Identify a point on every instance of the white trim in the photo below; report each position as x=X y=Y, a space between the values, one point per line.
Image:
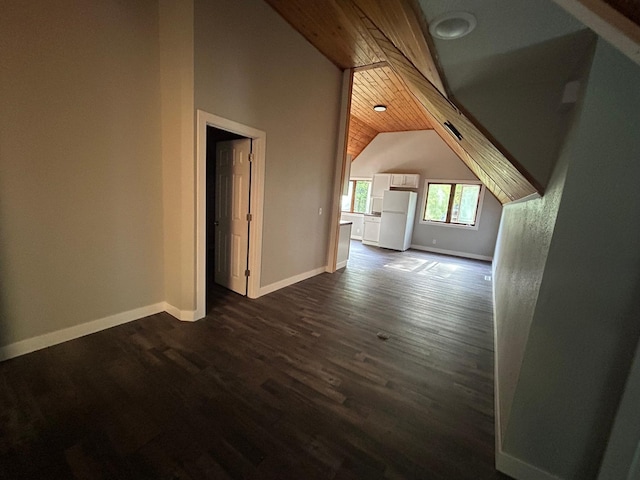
x=451 y=225
x=182 y=315
x=256 y=205
x=533 y=196
x=452 y=252
x=291 y=280
x=356 y=237
x=607 y=22
x=622 y=455
x=53 y=338
x=516 y=468
x=341 y=167
x=342 y=264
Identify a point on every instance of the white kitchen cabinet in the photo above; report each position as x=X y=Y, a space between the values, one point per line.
x=405 y=180
x=376 y=204
x=371 y=231
x=381 y=182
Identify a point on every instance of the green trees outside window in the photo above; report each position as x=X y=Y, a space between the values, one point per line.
x=357 y=199
x=455 y=203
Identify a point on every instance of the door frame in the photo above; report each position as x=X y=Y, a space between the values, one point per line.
x=256 y=204
x=342 y=168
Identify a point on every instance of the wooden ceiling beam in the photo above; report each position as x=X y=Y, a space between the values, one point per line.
x=400 y=24
x=490 y=165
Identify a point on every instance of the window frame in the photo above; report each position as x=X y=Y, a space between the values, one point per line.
x=453 y=184
x=353 y=181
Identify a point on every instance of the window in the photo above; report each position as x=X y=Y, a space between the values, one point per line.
x=452 y=203
x=357 y=200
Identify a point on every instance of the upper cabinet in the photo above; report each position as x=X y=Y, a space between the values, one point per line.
x=381 y=182
x=387 y=181
x=405 y=180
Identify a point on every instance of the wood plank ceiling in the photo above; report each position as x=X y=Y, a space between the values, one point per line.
x=388 y=36
x=381 y=86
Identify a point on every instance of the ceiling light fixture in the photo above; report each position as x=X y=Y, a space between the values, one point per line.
x=451 y=26
x=380 y=108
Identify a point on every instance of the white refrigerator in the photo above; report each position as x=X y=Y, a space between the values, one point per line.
x=398 y=214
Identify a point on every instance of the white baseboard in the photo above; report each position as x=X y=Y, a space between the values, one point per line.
x=452 y=252
x=340 y=265
x=53 y=338
x=291 y=280
x=356 y=237
x=182 y=315
x=516 y=468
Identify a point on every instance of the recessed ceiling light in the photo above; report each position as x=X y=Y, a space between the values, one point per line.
x=380 y=108
x=452 y=25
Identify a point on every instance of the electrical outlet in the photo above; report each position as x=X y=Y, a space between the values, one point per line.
x=433 y=241
x=320 y=211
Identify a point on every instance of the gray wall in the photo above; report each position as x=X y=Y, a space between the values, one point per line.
x=520 y=258
x=81 y=234
x=566 y=266
x=517 y=97
x=524 y=89
x=585 y=325
x=424 y=152
x=253 y=68
x=97 y=211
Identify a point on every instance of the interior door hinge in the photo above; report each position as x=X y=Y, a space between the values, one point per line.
x=249 y=217
x=247 y=273
x=251 y=157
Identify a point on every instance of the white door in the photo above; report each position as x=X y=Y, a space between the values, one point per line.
x=232 y=207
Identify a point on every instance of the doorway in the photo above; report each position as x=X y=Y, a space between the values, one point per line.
x=227 y=215
x=229 y=192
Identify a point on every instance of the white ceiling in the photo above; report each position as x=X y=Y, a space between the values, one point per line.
x=504 y=27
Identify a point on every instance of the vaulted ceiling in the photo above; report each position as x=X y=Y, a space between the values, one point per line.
x=386 y=43
x=334 y=28
x=388 y=38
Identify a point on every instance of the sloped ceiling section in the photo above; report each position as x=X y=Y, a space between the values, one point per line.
x=390 y=31
x=379 y=85
x=360 y=135
x=329 y=25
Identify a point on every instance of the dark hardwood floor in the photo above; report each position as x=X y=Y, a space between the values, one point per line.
x=294 y=385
